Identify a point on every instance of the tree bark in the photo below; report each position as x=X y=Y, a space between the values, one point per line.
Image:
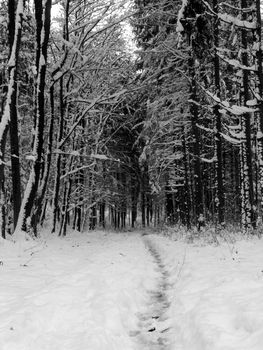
x=220 y=196
x=14 y=142
x=58 y=160
x=187 y=201
x=36 y=217
x=250 y=208
x=42 y=15
x=198 y=188
x=259 y=58
x=10 y=110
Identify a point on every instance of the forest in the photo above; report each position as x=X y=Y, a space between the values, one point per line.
x=131 y=175
x=127 y=114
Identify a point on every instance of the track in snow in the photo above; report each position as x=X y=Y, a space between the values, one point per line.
x=153 y=324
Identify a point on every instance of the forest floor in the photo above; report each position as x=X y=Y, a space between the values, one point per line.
x=131 y=291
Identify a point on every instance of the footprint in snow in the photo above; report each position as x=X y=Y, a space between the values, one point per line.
x=153 y=325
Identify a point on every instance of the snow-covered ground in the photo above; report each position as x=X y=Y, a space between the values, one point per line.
x=128 y=291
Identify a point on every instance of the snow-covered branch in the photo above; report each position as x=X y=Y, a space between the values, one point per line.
x=236 y=64
x=237 y=22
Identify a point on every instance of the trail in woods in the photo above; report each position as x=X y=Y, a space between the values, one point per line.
x=102 y=291
x=153 y=323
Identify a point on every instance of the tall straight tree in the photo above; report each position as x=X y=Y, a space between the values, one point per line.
x=194 y=23
x=259 y=58
x=42 y=16
x=220 y=202
x=61 y=121
x=14 y=142
x=15 y=14
x=197 y=169
x=248 y=181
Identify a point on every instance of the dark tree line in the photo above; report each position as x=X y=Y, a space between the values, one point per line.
x=202 y=62
x=91 y=136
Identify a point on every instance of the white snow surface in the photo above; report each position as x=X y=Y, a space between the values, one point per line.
x=94 y=291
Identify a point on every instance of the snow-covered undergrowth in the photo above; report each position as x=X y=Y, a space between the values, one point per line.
x=217 y=299
x=95 y=291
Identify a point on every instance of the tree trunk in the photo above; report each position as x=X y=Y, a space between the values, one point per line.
x=143 y=198
x=10 y=109
x=169 y=205
x=58 y=161
x=134 y=200
x=65 y=214
x=42 y=14
x=36 y=217
x=187 y=202
x=246 y=121
x=55 y=207
x=220 y=195
x=198 y=188
x=14 y=142
x=259 y=57
x=93 y=218
x=102 y=214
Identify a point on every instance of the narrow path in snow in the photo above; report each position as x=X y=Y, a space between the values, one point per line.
x=153 y=323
